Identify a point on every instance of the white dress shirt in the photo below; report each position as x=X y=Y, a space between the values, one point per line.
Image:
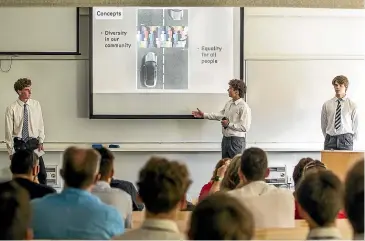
x=238 y=114
x=117 y=198
x=349 y=117
x=271 y=207
x=14 y=122
x=154 y=229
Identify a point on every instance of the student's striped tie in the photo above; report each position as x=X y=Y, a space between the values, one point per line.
x=25 y=130
x=338 y=115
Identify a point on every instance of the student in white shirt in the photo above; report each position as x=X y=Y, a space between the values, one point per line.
x=31 y=135
x=115 y=197
x=235 y=118
x=339 y=118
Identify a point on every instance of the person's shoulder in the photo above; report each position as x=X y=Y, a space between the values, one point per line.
x=111 y=212
x=39 y=202
x=329 y=101
x=47 y=189
x=34 y=102
x=11 y=106
x=352 y=103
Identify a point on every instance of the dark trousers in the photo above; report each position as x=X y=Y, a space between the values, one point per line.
x=32 y=144
x=232 y=146
x=340 y=142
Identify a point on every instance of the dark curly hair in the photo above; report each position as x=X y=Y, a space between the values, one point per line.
x=239 y=86
x=163 y=184
x=21 y=84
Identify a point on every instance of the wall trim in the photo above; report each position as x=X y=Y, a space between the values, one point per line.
x=182 y=146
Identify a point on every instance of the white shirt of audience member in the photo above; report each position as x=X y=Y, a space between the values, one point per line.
x=117 y=198
x=271 y=207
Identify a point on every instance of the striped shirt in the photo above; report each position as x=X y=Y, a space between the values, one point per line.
x=349 y=117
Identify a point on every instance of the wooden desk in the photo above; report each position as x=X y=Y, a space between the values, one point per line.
x=340 y=161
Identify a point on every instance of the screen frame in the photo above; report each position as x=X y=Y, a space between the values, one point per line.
x=50 y=53
x=108 y=117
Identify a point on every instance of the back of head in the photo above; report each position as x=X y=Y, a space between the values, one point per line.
x=221 y=217
x=163 y=184
x=231 y=178
x=80 y=167
x=220 y=163
x=254 y=164
x=319 y=195
x=15 y=212
x=106 y=163
x=354 y=196
x=23 y=161
x=313 y=166
x=298 y=169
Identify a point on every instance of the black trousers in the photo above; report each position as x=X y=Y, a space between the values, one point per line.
x=32 y=144
x=232 y=146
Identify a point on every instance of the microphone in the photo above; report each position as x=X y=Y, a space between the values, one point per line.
x=225 y=118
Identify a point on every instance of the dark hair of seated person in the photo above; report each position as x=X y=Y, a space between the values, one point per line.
x=221 y=217
x=15 y=212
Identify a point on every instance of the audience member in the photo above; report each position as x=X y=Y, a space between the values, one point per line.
x=354 y=199
x=162 y=186
x=75 y=213
x=261 y=197
x=217 y=177
x=113 y=196
x=253 y=171
x=231 y=179
x=221 y=217
x=25 y=168
x=14 y=212
x=300 y=171
x=319 y=197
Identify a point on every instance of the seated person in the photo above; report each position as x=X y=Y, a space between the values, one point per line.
x=231 y=179
x=260 y=197
x=354 y=199
x=306 y=165
x=221 y=217
x=162 y=186
x=25 y=168
x=75 y=213
x=113 y=196
x=319 y=195
x=216 y=178
x=129 y=188
x=14 y=212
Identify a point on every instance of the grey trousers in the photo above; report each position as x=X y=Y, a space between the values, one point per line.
x=232 y=146
x=340 y=142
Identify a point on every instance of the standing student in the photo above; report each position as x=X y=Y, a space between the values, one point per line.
x=24 y=127
x=235 y=118
x=339 y=119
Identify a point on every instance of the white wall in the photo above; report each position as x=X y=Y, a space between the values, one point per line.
x=200 y=161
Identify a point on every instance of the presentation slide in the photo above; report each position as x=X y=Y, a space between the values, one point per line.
x=162 y=51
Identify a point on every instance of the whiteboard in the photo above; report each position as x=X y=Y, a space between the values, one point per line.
x=39 y=29
x=286 y=98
